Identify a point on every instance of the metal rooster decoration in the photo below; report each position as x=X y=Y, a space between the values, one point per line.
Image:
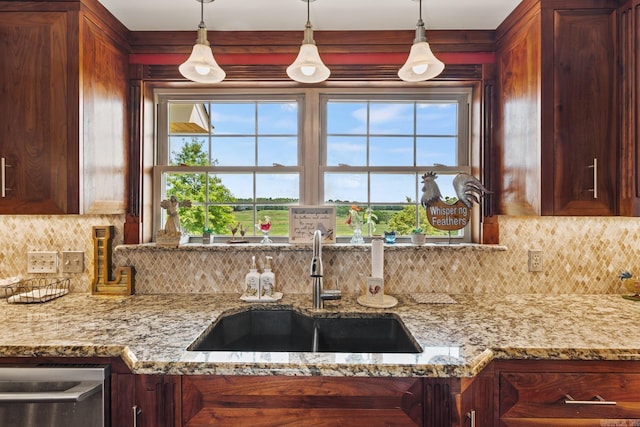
x=451 y=216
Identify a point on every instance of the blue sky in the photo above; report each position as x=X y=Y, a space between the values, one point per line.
x=390 y=126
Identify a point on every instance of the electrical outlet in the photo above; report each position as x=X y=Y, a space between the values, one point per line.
x=535 y=260
x=72 y=262
x=42 y=262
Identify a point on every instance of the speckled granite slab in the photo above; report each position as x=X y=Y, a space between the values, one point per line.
x=151 y=333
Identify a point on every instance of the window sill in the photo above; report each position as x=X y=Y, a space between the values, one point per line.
x=335 y=247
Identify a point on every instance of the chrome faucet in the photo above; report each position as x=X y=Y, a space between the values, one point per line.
x=316 y=272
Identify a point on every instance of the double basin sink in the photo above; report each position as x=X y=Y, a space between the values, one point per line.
x=286 y=330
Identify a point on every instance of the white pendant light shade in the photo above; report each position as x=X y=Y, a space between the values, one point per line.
x=308 y=67
x=201 y=67
x=421 y=64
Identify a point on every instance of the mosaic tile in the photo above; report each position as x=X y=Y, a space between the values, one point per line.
x=22 y=233
x=580 y=255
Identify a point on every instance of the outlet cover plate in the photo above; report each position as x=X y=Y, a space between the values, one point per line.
x=72 y=262
x=42 y=262
x=535 y=260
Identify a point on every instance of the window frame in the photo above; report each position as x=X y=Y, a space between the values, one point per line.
x=312 y=134
x=461 y=95
x=164 y=97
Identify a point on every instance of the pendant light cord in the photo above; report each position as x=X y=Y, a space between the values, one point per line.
x=202 y=13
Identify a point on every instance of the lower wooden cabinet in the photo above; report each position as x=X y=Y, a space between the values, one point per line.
x=507 y=393
x=562 y=393
x=310 y=401
x=145 y=400
x=212 y=400
x=476 y=400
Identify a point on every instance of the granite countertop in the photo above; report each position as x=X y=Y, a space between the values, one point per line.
x=151 y=333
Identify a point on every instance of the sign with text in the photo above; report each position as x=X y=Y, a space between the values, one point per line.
x=444 y=216
x=305 y=220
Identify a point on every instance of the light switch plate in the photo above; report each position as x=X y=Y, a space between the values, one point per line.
x=42 y=262
x=72 y=262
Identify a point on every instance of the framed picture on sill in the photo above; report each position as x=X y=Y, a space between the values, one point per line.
x=305 y=220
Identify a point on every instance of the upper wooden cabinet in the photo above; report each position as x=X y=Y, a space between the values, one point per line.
x=558 y=134
x=64 y=85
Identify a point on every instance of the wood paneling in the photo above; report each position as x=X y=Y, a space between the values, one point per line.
x=274 y=73
x=477 y=396
x=584 y=104
x=519 y=127
x=35 y=117
x=318 y=401
x=64 y=79
x=329 y=42
x=630 y=108
x=529 y=395
x=558 y=109
x=105 y=89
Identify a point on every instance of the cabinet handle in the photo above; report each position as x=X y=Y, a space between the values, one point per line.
x=3 y=176
x=472 y=418
x=595 y=178
x=136 y=412
x=598 y=401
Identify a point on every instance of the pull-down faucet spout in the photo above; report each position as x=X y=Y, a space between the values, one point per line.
x=316 y=272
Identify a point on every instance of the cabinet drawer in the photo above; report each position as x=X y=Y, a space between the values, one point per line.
x=550 y=395
x=310 y=401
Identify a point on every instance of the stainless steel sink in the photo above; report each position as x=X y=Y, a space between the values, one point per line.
x=287 y=330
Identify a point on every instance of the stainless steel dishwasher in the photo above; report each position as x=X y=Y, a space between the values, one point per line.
x=59 y=396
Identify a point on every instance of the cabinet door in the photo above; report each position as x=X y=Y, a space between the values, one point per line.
x=122 y=399
x=585 y=141
x=154 y=400
x=587 y=399
x=476 y=400
x=34 y=140
x=144 y=400
x=317 y=401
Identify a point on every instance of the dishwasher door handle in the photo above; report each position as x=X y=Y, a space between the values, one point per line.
x=77 y=393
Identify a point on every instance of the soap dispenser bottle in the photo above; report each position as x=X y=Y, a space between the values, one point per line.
x=252 y=280
x=267 y=280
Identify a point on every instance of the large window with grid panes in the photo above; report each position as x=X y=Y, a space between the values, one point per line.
x=244 y=157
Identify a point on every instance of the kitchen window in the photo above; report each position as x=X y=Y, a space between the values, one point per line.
x=241 y=156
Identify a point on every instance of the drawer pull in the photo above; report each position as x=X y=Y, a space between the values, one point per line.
x=136 y=411
x=472 y=418
x=3 y=177
x=598 y=400
x=594 y=166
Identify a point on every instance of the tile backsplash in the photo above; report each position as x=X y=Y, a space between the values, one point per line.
x=580 y=255
x=22 y=233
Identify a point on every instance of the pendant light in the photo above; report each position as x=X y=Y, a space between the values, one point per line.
x=421 y=63
x=308 y=67
x=201 y=67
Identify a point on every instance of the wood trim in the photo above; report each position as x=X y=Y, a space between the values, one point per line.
x=345 y=42
x=628 y=154
x=134 y=153
x=274 y=73
x=259 y=57
x=636 y=91
x=439 y=407
x=282 y=400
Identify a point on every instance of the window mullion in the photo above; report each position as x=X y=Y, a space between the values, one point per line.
x=312 y=133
